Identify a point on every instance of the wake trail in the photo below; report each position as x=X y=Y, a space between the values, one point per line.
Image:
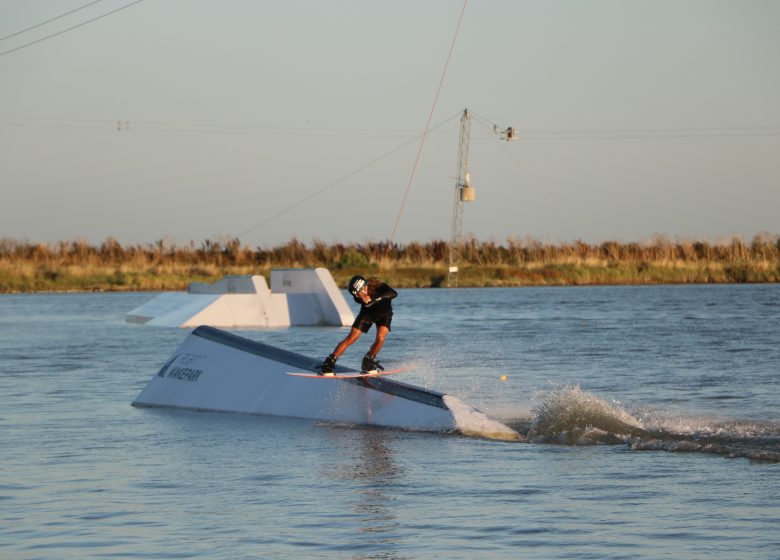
x=569 y=416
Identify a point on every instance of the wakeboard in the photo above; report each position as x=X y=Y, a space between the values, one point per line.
x=345 y=375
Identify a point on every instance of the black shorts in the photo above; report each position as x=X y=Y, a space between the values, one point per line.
x=364 y=320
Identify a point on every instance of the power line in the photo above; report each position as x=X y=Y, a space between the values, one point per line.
x=355 y=132
x=49 y=20
x=69 y=28
x=540 y=183
x=637 y=133
x=428 y=124
x=649 y=133
x=210 y=128
x=338 y=181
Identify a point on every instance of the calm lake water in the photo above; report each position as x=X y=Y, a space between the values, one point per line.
x=652 y=414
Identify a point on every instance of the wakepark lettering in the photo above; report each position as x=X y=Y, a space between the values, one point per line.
x=184 y=374
x=180 y=373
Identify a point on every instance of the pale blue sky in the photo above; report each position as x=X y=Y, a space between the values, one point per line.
x=635 y=118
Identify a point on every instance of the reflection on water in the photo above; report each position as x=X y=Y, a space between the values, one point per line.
x=369 y=466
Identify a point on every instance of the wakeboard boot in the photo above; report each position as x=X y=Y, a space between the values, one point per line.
x=370 y=364
x=326 y=367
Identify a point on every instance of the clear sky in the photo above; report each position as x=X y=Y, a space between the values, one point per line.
x=194 y=119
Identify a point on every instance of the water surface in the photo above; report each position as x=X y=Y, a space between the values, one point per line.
x=651 y=412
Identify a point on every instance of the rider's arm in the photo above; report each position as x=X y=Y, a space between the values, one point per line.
x=384 y=292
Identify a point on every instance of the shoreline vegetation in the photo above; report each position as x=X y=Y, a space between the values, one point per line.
x=79 y=266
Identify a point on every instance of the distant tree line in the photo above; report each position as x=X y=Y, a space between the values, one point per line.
x=764 y=247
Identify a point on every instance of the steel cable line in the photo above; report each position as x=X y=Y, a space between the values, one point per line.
x=340 y=180
x=49 y=20
x=69 y=28
x=207 y=128
x=638 y=133
x=427 y=125
x=285 y=130
x=548 y=191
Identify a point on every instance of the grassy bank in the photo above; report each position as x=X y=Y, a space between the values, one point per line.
x=77 y=265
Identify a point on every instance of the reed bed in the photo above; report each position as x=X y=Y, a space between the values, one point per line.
x=80 y=266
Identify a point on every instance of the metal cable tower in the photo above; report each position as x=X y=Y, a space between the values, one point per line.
x=464 y=192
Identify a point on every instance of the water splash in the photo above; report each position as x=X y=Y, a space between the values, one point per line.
x=571 y=416
x=568 y=415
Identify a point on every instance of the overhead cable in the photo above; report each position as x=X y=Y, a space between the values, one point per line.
x=635 y=133
x=69 y=28
x=427 y=125
x=49 y=20
x=338 y=181
x=209 y=128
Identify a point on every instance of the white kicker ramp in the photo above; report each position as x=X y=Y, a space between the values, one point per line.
x=218 y=371
x=304 y=296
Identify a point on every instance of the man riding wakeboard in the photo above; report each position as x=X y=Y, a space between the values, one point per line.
x=374 y=297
